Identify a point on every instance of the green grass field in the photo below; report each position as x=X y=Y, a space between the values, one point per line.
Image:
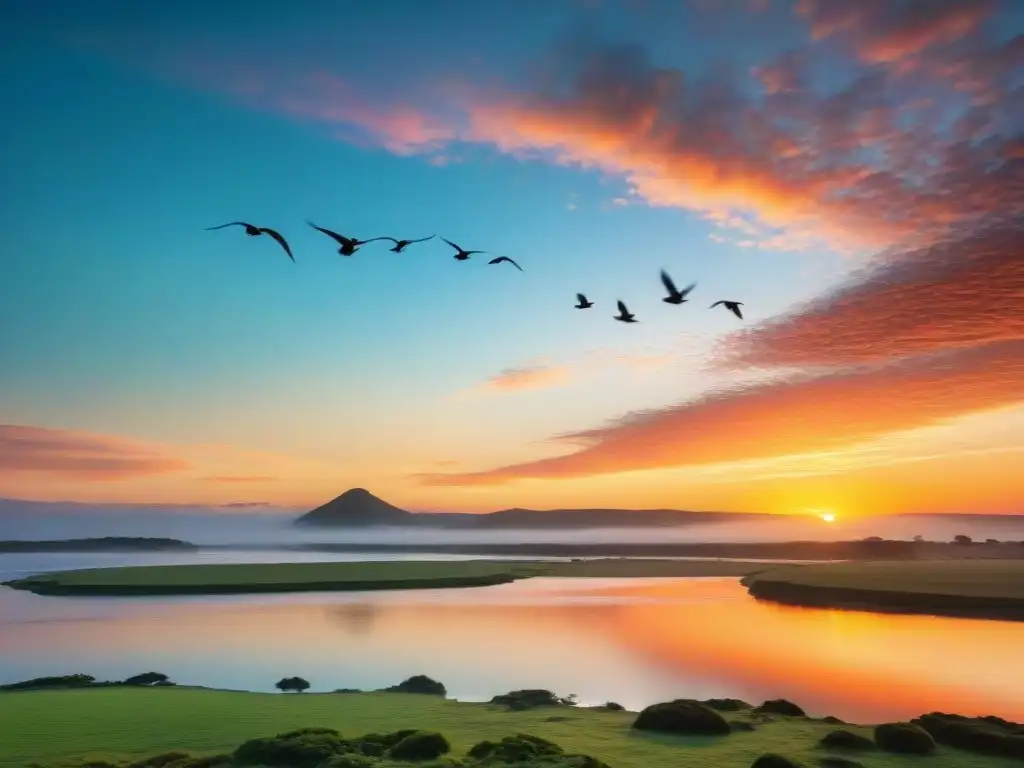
x=393 y=574
x=967 y=578
x=118 y=724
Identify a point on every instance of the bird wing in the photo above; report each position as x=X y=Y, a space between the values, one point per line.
x=689 y=288
x=470 y=253
x=667 y=282
x=421 y=240
x=716 y=304
x=277 y=236
x=581 y=298
x=513 y=263
x=230 y=224
x=340 y=238
x=453 y=245
x=736 y=310
x=375 y=239
x=622 y=308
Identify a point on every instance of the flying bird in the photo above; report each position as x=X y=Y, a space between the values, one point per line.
x=253 y=231
x=583 y=302
x=349 y=245
x=505 y=258
x=462 y=255
x=675 y=296
x=624 y=314
x=400 y=244
x=732 y=306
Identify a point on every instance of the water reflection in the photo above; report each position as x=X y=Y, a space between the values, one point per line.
x=630 y=641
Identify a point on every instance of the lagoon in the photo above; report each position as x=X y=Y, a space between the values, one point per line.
x=635 y=641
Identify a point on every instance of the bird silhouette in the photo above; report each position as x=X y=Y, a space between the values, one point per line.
x=461 y=254
x=253 y=231
x=505 y=258
x=624 y=314
x=349 y=245
x=583 y=303
x=732 y=306
x=401 y=244
x=675 y=296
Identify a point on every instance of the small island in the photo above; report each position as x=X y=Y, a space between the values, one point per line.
x=350 y=576
x=981 y=588
x=101 y=544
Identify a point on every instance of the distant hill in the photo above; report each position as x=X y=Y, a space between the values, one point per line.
x=104 y=544
x=359 y=507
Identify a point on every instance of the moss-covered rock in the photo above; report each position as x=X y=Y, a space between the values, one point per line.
x=775 y=761
x=420 y=746
x=781 y=707
x=904 y=739
x=682 y=716
x=727 y=705
x=843 y=739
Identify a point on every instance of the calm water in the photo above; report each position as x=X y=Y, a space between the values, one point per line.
x=634 y=641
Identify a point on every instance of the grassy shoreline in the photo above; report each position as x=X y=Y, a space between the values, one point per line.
x=163 y=580
x=988 y=589
x=121 y=724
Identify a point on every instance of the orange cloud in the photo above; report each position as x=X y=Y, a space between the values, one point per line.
x=959 y=293
x=793 y=415
x=884 y=31
x=240 y=479
x=528 y=377
x=79 y=454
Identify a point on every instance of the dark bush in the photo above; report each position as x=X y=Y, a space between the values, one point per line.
x=347 y=690
x=726 y=705
x=93 y=764
x=383 y=740
x=904 y=738
x=774 y=761
x=521 y=748
x=838 y=762
x=419 y=684
x=310 y=731
x=159 y=761
x=832 y=720
x=299 y=749
x=781 y=707
x=682 y=716
x=420 y=746
x=350 y=760
x=582 y=761
x=208 y=761
x=614 y=706
x=58 y=681
x=527 y=699
x=983 y=735
x=846 y=740
x=297 y=684
x=146 y=678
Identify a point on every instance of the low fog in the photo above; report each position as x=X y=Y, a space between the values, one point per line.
x=209 y=527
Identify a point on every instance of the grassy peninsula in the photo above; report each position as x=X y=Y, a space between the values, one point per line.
x=973 y=588
x=101 y=544
x=349 y=576
x=143 y=727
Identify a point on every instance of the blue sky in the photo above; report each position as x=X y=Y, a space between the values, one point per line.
x=139 y=125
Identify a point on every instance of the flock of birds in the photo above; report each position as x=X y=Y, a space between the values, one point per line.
x=349 y=245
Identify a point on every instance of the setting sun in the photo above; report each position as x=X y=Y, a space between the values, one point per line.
x=828 y=517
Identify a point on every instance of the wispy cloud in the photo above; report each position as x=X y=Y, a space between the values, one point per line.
x=80 y=454
x=528 y=377
x=240 y=479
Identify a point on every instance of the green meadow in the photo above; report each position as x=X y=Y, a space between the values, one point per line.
x=121 y=725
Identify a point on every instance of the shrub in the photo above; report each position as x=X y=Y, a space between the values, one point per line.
x=297 y=684
x=683 y=716
x=159 y=761
x=312 y=730
x=521 y=748
x=846 y=740
x=832 y=720
x=527 y=699
x=350 y=760
x=146 y=678
x=384 y=741
x=983 y=735
x=614 y=706
x=781 y=707
x=774 y=761
x=58 y=681
x=838 y=762
x=304 y=748
x=347 y=690
x=904 y=738
x=420 y=746
x=419 y=684
x=726 y=705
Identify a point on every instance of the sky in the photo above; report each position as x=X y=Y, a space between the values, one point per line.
x=852 y=172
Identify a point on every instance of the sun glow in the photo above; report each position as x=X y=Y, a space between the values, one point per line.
x=828 y=517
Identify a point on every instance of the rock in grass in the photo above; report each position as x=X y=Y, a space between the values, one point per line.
x=774 y=761
x=682 y=716
x=420 y=746
x=842 y=739
x=614 y=706
x=781 y=707
x=838 y=762
x=904 y=739
x=727 y=705
x=521 y=748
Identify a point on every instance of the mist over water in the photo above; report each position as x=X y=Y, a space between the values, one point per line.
x=208 y=527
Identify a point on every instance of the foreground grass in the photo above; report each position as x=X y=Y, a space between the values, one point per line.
x=367 y=575
x=118 y=724
x=992 y=588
